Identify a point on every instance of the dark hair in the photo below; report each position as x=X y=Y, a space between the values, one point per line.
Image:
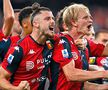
x=59 y=19
x=17 y=10
x=24 y=13
x=37 y=10
x=102 y=30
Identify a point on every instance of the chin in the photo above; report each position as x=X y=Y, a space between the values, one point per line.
x=50 y=35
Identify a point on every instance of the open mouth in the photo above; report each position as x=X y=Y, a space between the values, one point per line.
x=51 y=28
x=89 y=26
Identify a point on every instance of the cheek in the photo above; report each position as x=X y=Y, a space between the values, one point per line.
x=82 y=22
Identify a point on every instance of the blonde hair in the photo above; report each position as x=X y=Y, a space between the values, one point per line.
x=72 y=12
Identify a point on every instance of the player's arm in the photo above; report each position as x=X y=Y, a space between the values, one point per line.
x=6 y=85
x=9 y=66
x=4 y=46
x=97 y=49
x=62 y=54
x=8 y=17
x=94 y=86
x=74 y=74
x=96 y=68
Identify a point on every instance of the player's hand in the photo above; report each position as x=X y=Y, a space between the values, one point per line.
x=24 y=85
x=81 y=44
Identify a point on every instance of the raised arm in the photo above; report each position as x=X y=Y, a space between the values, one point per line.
x=8 y=17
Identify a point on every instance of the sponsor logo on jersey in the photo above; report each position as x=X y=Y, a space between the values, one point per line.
x=38 y=79
x=29 y=65
x=65 y=53
x=45 y=61
x=42 y=62
x=10 y=58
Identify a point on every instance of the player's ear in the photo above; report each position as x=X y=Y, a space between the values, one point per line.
x=64 y=27
x=24 y=23
x=36 y=24
x=74 y=23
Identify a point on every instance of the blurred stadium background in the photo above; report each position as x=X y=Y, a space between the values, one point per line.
x=99 y=8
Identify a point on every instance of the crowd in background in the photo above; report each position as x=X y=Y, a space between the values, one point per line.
x=99 y=9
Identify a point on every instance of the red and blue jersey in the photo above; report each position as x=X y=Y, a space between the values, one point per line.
x=65 y=51
x=29 y=61
x=95 y=49
x=5 y=44
x=100 y=61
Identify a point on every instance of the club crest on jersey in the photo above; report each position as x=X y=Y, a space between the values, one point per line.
x=49 y=44
x=65 y=53
x=10 y=58
x=75 y=55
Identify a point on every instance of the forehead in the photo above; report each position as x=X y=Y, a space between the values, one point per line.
x=46 y=13
x=103 y=35
x=83 y=13
x=17 y=13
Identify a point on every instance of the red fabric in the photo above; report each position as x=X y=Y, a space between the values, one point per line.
x=96 y=49
x=62 y=83
x=31 y=65
x=2 y=35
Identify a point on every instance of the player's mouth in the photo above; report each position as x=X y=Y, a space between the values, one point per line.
x=89 y=26
x=51 y=28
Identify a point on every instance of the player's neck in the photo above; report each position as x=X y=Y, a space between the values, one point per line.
x=22 y=35
x=39 y=38
x=74 y=34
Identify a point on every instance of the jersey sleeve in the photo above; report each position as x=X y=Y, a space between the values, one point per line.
x=12 y=59
x=62 y=52
x=95 y=49
x=100 y=61
x=4 y=46
x=2 y=35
